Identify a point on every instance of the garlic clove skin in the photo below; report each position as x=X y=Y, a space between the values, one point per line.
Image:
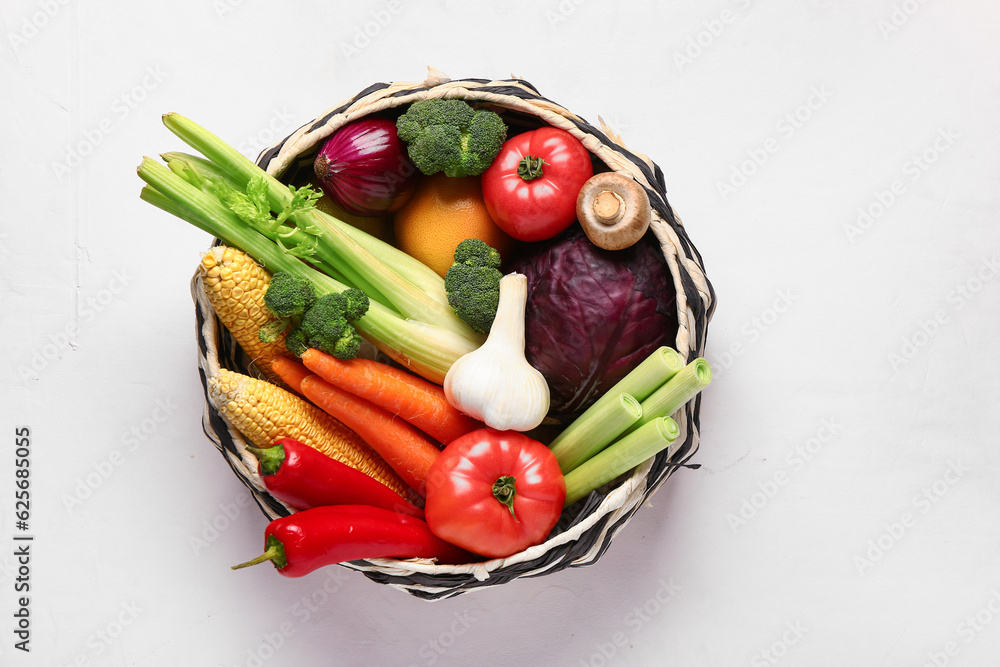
x=494 y=383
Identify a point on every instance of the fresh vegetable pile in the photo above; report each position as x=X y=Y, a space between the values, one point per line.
x=450 y=388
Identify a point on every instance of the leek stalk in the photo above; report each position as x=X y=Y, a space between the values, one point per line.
x=641 y=444
x=597 y=428
x=589 y=433
x=678 y=390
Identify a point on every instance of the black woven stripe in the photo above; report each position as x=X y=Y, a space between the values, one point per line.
x=522 y=82
x=323 y=120
x=663 y=467
x=612 y=531
x=215 y=420
x=692 y=252
x=697 y=307
x=267 y=504
x=513 y=91
x=200 y=324
x=298 y=171
x=235 y=360
x=269 y=154
x=559 y=559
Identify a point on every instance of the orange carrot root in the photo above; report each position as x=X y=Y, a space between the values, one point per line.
x=411 y=398
x=404 y=448
x=290 y=371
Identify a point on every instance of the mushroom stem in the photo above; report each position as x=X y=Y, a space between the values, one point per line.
x=608 y=206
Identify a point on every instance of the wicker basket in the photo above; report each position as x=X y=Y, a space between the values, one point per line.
x=585 y=529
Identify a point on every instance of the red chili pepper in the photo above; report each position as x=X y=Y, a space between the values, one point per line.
x=308 y=540
x=304 y=478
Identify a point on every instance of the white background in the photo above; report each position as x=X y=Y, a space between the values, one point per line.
x=847 y=510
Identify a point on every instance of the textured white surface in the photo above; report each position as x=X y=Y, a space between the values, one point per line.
x=835 y=163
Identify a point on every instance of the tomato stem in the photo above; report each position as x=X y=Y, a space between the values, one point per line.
x=504 y=492
x=530 y=167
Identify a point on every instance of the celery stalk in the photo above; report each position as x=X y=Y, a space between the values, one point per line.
x=641 y=444
x=152 y=196
x=678 y=390
x=360 y=266
x=595 y=429
x=426 y=349
x=201 y=174
x=408 y=267
x=219 y=221
x=235 y=171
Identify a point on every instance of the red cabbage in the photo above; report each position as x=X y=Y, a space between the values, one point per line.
x=593 y=315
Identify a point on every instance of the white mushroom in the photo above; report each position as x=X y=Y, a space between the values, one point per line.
x=613 y=210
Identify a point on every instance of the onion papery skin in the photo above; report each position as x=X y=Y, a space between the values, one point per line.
x=364 y=167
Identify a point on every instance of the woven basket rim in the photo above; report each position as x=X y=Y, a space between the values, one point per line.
x=695 y=305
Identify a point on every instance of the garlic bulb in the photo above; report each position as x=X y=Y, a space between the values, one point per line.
x=495 y=383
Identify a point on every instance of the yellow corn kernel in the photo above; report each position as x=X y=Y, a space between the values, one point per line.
x=235 y=284
x=265 y=413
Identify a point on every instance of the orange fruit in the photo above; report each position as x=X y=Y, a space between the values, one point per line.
x=443 y=212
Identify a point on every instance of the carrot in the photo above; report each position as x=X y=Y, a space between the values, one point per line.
x=404 y=448
x=412 y=398
x=290 y=371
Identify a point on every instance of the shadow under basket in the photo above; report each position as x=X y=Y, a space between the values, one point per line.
x=586 y=528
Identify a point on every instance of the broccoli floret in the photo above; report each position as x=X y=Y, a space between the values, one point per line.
x=289 y=296
x=478 y=253
x=327 y=325
x=473 y=283
x=296 y=341
x=323 y=323
x=356 y=304
x=451 y=137
x=271 y=332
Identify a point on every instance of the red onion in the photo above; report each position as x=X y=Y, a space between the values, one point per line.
x=364 y=167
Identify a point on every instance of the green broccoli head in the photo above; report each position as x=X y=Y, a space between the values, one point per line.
x=450 y=136
x=477 y=252
x=356 y=304
x=288 y=295
x=296 y=341
x=327 y=325
x=473 y=284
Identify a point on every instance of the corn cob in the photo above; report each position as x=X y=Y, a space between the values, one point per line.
x=264 y=413
x=235 y=285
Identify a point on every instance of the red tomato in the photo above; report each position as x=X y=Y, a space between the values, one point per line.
x=532 y=185
x=494 y=493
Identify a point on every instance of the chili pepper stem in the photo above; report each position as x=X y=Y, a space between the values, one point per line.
x=504 y=491
x=274 y=552
x=270 y=458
